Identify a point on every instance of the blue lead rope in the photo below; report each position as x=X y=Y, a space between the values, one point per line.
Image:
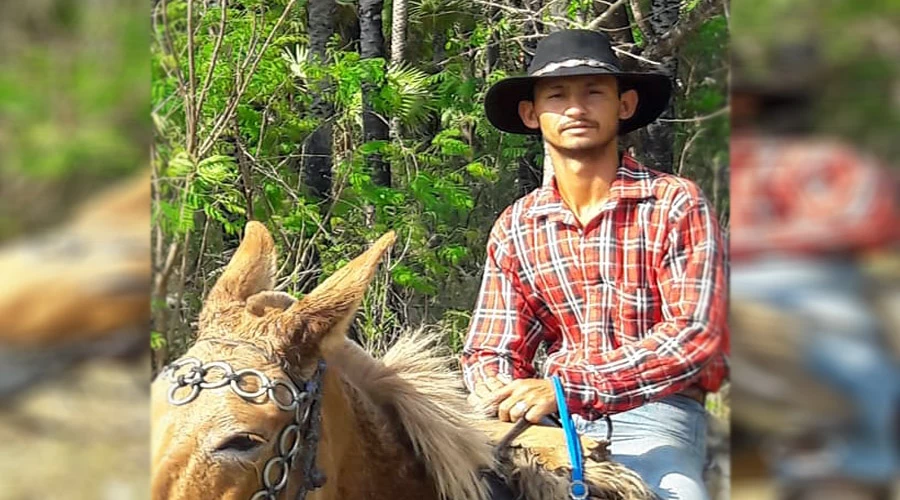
x=578 y=490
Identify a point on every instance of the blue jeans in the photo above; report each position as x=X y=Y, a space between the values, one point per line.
x=664 y=442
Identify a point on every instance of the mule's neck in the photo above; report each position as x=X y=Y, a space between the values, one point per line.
x=362 y=452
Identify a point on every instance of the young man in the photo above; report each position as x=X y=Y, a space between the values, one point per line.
x=617 y=267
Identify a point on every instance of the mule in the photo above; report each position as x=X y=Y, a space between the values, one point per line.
x=272 y=401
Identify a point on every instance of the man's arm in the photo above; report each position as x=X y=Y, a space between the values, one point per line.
x=693 y=333
x=504 y=333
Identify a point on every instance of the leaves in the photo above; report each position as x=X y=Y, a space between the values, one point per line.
x=157 y=340
x=452 y=172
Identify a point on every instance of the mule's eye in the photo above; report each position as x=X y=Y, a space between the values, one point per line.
x=241 y=443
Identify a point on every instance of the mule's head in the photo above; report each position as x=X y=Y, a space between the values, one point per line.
x=217 y=444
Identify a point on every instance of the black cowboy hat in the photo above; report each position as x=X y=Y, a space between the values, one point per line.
x=574 y=53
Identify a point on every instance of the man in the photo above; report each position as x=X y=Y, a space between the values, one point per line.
x=617 y=267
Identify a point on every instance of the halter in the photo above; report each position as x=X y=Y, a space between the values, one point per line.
x=304 y=428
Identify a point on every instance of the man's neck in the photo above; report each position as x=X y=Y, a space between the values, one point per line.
x=584 y=180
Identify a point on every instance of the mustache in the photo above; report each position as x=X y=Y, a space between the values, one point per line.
x=579 y=123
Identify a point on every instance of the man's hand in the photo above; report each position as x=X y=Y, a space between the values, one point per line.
x=481 y=399
x=532 y=398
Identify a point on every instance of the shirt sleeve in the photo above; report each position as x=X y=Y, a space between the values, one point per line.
x=693 y=333
x=504 y=333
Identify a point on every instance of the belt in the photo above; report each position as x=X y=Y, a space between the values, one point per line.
x=696 y=393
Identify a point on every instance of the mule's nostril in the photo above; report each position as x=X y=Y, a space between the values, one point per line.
x=241 y=443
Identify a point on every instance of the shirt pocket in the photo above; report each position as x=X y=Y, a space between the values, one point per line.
x=636 y=311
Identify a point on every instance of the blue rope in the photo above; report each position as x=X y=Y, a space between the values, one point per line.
x=578 y=490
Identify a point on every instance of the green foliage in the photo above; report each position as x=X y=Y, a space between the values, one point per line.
x=157 y=340
x=452 y=172
x=701 y=146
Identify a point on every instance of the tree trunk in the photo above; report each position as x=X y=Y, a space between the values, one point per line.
x=317 y=163
x=617 y=26
x=658 y=138
x=398 y=31
x=559 y=10
x=372 y=46
x=528 y=172
x=398 y=48
x=492 y=57
x=347 y=23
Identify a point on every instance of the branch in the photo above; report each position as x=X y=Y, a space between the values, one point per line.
x=171 y=46
x=161 y=314
x=670 y=40
x=254 y=38
x=236 y=97
x=606 y=14
x=191 y=111
x=619 y=51
x=697 y=119
x=687 y=146
x=639 y=19
x=207 y=82
x=242 y=154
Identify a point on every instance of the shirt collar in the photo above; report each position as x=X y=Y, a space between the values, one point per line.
x=633 y=182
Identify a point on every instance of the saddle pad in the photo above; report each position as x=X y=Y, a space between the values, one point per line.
x=537 y=465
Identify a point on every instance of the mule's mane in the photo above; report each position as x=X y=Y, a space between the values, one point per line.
x=415 y=379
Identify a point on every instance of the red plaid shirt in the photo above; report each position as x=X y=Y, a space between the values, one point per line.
x=809 y=196
x=632 y=306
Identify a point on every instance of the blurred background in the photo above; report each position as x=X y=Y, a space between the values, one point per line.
x=815 y=100
x=74 y=249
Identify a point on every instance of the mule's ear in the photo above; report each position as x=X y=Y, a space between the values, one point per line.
x=251 y=270
x=321 y=318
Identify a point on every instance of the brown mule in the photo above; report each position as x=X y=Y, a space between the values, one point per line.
x=369 y=430
x=272 y=401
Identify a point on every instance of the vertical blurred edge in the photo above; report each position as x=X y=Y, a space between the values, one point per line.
x=75 y=137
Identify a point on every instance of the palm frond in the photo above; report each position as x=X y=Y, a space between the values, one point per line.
x=297 y=60
x=413 y=87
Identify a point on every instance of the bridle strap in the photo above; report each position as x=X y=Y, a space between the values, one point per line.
x=304 y=429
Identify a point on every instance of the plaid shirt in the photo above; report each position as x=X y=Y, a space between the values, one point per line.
x=632 y=306
x=809 y=197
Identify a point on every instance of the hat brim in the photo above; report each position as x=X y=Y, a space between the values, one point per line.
x=501 y=103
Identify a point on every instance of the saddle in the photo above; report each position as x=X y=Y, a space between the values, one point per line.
x=534 y=465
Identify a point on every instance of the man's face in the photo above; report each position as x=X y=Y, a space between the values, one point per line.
x=578 y=113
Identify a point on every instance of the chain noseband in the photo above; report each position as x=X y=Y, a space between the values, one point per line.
x=305 y=404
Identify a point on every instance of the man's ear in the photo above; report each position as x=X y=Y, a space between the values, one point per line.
x=528 y=115
x=628 y=102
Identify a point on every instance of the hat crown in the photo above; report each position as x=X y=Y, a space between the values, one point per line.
x=573 y=46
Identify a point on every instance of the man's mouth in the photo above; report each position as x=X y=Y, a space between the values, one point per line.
x=579 y=125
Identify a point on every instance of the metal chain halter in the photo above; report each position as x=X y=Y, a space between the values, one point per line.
x=286 y=395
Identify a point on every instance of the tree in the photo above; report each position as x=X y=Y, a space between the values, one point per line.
x=398 y=31
x=529 y=176
x=317 y=153
x=280 y=77
x=375 y=128
x=398 y=47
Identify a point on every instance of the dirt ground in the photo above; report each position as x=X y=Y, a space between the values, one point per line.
x=85 y=436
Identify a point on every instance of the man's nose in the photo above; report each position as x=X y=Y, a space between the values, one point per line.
x=575 y=108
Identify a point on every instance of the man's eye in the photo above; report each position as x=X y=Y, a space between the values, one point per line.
x=554 y=95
